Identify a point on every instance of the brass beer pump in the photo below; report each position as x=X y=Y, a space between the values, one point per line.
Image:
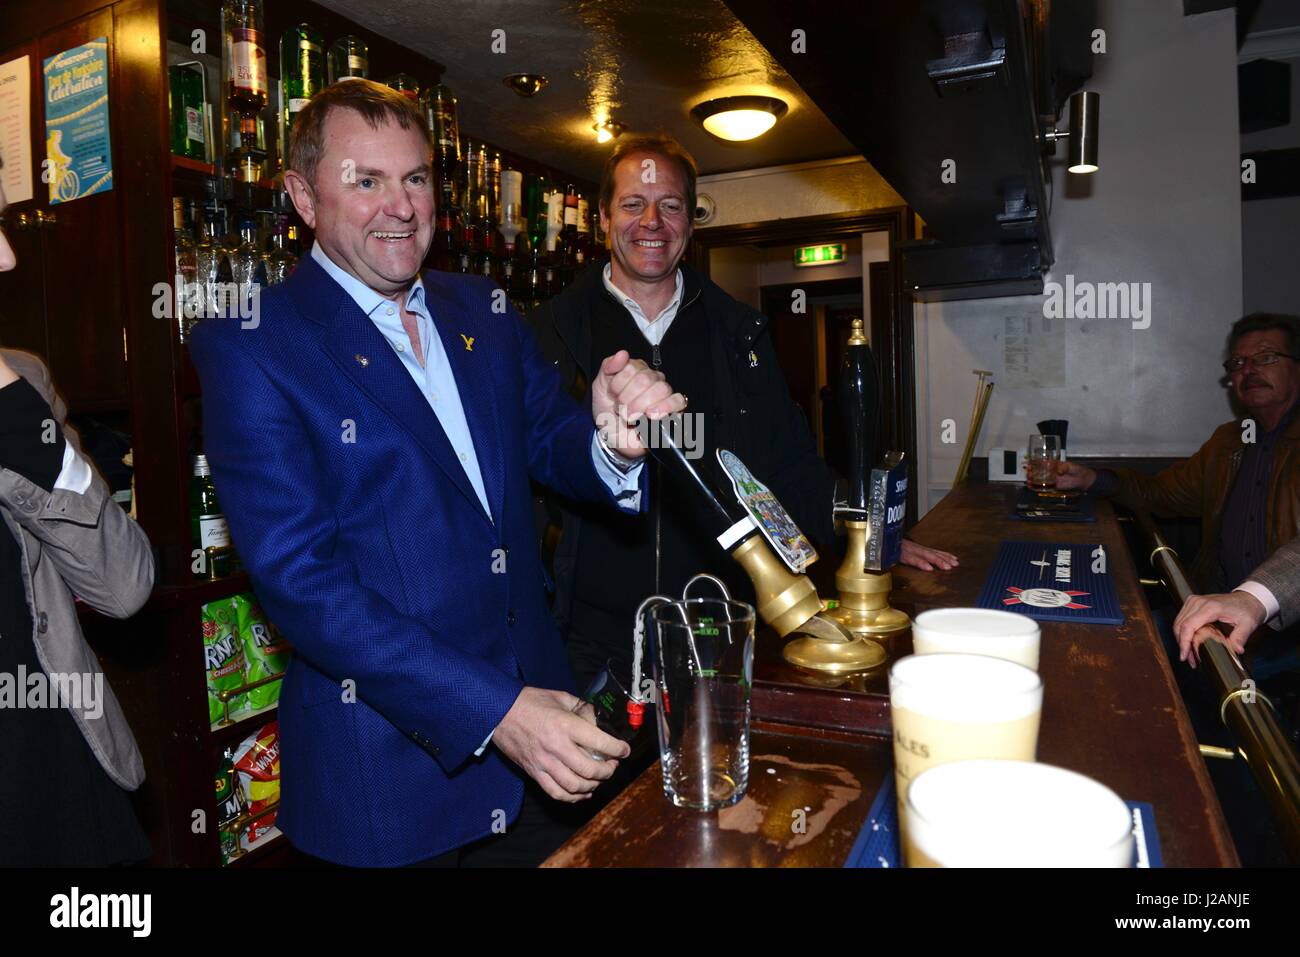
x=864 y=595
x=786 y=601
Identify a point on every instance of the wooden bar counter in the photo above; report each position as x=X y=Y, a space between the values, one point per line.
x=1111 y=711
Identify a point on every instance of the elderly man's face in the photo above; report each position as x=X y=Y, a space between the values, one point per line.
x=648 y=223
x=372 y=203
x=7 y=258
x=1263 y=388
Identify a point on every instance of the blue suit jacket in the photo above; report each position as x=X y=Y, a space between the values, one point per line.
x=371 y=552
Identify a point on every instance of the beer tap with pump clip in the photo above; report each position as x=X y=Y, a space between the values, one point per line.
x=754 y=529
x=873 y=510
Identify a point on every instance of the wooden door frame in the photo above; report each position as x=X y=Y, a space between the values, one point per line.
x=896 y=354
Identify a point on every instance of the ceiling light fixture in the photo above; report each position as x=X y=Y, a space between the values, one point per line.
x=739 y=118
x=607 y=130
x=526 y=84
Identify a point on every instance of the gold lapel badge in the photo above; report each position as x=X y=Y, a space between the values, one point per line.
x=469 y=342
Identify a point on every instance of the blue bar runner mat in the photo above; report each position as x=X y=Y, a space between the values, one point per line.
x=877 y=843
x=1053 y=582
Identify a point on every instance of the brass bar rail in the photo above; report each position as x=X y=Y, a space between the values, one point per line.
x=1245 y=711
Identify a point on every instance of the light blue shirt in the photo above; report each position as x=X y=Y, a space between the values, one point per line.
x=438 y=385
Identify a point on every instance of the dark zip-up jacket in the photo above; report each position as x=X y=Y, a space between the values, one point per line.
x=752 y=415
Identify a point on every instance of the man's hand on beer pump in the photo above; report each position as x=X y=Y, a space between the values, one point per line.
x=624 y=391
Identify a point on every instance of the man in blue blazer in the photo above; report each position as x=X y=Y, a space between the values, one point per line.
x=372 y=432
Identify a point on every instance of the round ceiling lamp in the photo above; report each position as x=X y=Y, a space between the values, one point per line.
x=739 y=118
x=607 y=130
x=526 y=84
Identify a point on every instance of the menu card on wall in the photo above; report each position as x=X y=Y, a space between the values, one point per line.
x=16 y=129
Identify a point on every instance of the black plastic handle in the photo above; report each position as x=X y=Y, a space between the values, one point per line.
x=859 y=395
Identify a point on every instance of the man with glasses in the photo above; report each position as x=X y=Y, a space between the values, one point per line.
x=1244 y=483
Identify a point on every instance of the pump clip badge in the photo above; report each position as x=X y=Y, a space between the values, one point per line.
x=768 y=514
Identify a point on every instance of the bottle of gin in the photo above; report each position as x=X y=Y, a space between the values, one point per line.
x=188 y=111
x=208 y=524
x=349 y=58
x=302 y=76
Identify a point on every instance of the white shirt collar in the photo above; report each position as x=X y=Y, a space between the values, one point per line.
x=361 y=294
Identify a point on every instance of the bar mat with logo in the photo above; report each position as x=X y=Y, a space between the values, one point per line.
x=1053 y=582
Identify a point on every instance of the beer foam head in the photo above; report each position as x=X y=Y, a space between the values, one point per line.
x=974 y=689
x=977 y=631
x=976 y=623
x=987 y=813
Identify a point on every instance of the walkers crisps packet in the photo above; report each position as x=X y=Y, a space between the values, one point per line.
x=257 y=762
x=264 y=647
x=223 y=653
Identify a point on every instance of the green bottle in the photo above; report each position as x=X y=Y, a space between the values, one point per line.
x=188 y=111
x=207 y=523
x=302 y=76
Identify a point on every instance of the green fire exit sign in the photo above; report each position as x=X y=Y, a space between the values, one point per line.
x=823 y=255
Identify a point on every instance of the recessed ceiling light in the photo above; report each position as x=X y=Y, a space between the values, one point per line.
x=607 y=130
x=739 y=118
x=526 y=84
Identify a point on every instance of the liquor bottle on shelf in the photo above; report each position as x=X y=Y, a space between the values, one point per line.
x=445 y=243
x=207 y=522
x=349 y=58
x=568 y=242
x=465 y=260
x=188 y=111
x=582 y=252
x=510 y=219
x=404 y=83
x=473 y=202
x=225 y=298
x=246 y=86
x=536 y=276
x=440 y=113
x=187 y=271
x=554 y=220
x=302 y=76
x=492 y=202
x=248 y=254
x=536 y=192
x=280 y=262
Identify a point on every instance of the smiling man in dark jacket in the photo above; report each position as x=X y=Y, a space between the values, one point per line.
x=718 y=353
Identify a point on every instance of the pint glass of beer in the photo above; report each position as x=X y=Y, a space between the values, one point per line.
x=948 y=707
x=1014 y=814
x=977 y=631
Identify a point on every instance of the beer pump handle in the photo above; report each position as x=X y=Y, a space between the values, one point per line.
x=675 y=464
x=859 y=394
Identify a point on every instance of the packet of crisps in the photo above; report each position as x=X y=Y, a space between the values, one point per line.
x=230 y=804
x=223 y=654
x=264 y=647
x=257 y=762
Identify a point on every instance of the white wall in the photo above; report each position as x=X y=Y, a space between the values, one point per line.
x=1165 y=209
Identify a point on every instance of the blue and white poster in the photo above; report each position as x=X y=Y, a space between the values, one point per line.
x=1053 y=582
x=78 y=154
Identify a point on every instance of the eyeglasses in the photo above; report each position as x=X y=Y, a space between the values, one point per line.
x=1258 y=360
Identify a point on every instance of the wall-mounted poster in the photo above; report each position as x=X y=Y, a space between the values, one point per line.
x=78 y=155
x=16 y=130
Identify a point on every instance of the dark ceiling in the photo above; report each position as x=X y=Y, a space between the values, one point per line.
x=644 y=64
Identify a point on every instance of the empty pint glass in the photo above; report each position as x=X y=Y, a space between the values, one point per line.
x=703 y=668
